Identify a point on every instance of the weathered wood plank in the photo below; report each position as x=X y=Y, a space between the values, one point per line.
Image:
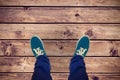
x=60 y=3
x=93 y=64
x=59 y=48
x=60 y=14
x=60 y=31
x=57 y=76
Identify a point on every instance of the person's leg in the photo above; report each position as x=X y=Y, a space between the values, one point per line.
x=77 y=69
x=42 y=65
x=42 y=69
x=77 y=65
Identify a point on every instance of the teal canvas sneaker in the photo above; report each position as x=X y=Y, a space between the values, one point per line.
x=37 y=46
x=82 y=46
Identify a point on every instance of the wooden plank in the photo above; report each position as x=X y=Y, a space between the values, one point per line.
x=104 y=76
x=59 y=48
x=57 y=76
x=60 y=31
x=60 y=3
x=93 y=64
x=60 y=14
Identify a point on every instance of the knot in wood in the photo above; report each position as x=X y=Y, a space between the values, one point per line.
x=18 y=32
x=113 y=52
x=26 y=8
x=68 y=33
x=95 y=78
x=89 y=33
x=77 y=15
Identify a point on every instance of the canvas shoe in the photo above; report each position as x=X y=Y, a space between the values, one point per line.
x=37 y=46
x=82 y=46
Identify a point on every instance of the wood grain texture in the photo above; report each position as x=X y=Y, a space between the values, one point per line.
x=57 y=76
x=60 y=23
x=60 y=31
x=60 y=64
x=59 y=48
x=60 y=2
x=60 y=14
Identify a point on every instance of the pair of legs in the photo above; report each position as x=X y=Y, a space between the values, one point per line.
x=77 y=65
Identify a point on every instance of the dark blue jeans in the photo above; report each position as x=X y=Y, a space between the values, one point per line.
x=77 y=69
x=42 y=69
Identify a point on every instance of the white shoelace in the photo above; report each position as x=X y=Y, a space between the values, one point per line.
x=38 y=51
x=81 y=51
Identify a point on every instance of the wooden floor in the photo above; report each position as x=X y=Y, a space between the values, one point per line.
x=60 y=23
